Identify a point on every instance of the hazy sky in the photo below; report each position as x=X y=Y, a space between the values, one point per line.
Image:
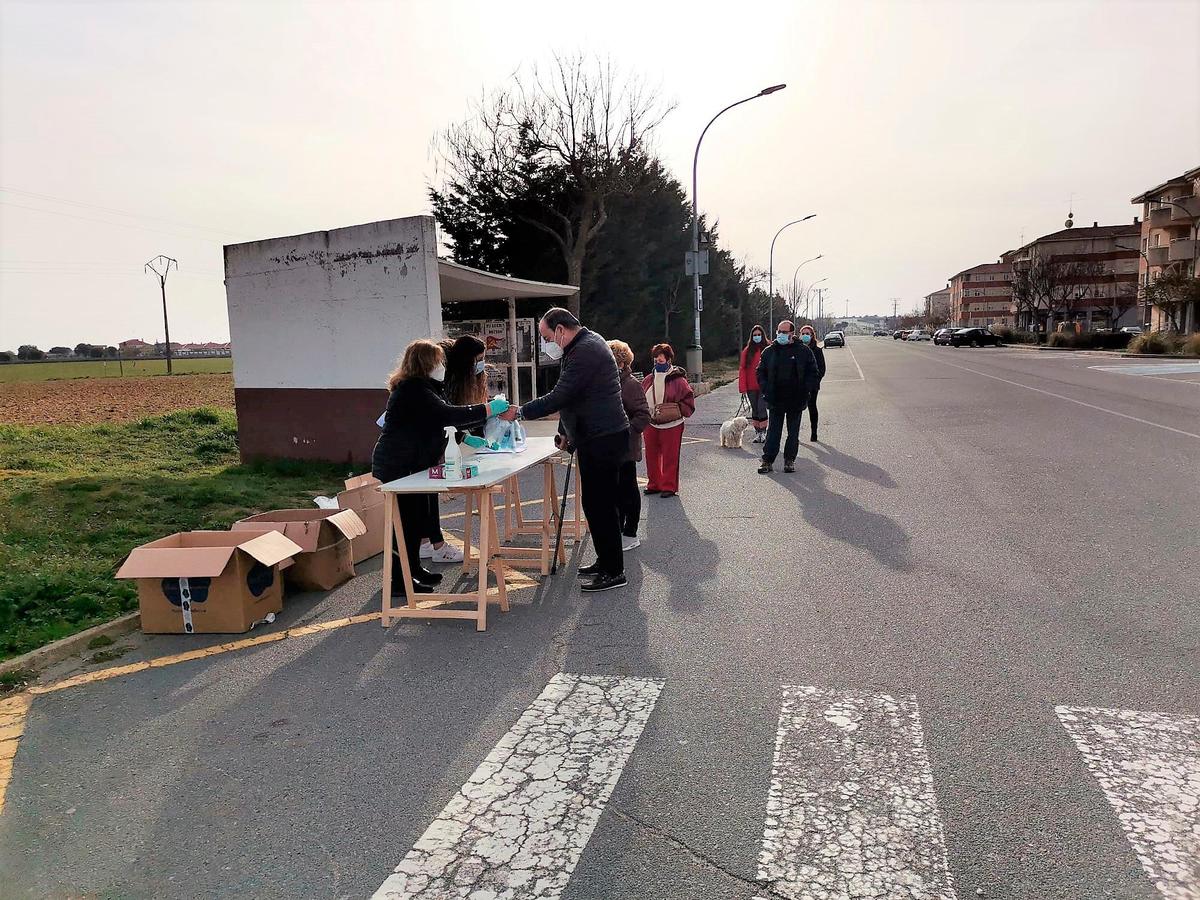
x=927 y=136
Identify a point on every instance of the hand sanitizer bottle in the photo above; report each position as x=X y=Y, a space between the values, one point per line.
x=453 y=465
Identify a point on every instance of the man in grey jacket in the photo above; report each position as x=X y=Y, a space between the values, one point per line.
x=587 y=398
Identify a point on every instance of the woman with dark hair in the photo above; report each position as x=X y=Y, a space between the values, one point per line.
x=671 y=401
x=748 y=381
x=808 y=337
x=414 y=438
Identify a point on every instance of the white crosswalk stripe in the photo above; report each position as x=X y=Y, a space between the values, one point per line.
x=851 y=811
x=517 y=828
x=1149 y=767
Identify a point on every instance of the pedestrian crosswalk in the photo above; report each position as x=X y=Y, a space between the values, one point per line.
x=850 y=813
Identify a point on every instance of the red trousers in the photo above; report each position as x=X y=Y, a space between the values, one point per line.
x=662 y=457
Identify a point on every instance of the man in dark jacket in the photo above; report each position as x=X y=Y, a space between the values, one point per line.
x=786 y=373
x=587 y=398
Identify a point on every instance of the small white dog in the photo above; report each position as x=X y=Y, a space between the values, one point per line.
x=732 y=431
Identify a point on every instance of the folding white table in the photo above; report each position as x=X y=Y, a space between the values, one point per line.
x=495 y=471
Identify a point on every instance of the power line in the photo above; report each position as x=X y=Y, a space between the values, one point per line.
x=120 y=212
x=53 y=212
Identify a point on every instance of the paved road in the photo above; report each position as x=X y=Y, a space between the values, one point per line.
x=955 y=652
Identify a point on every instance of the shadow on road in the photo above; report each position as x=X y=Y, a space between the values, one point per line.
x=856 y=468
x=841 y=518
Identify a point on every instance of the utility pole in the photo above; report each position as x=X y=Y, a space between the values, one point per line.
x=895 y=309
x=160 y=266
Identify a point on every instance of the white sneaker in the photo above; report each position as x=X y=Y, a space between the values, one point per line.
x=447 y=553
x=628 y=543
x=427 y=550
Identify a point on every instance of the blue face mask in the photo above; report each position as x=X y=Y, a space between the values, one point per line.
x=661 y=367
x=783 y=337
x=479 y=367
x=757 y=338
x=806 y=337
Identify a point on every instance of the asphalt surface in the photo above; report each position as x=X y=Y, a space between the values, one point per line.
x=990 y=533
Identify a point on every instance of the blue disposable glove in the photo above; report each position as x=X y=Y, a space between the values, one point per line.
x=471 y=441
x=497 y=405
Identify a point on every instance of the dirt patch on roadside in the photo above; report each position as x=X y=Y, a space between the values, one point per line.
x=85 y=401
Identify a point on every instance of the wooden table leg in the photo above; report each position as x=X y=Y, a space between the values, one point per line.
x=485 y=547
x=549 y=514
x=497 y=564
x=388 y=533
x=468 y=505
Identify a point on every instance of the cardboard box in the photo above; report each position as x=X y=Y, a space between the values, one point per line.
x=209 y=582
x=324 y=536
x=362 y=495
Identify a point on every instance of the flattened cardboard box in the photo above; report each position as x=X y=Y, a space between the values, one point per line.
x=362 y=495
x=209 y=582
x=324 y=535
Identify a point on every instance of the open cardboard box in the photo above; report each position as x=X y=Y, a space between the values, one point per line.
x=362 y=495
x=209 y=582
x=324 y=536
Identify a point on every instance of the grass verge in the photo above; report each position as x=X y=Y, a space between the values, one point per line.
x=718 y=372
x=74 y=500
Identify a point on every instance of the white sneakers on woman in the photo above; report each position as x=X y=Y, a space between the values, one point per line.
x=628 y=543
x=447 y=553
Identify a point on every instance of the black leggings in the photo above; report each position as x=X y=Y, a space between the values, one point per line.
x=419 y=515
x=812 y=411
x=630 y=501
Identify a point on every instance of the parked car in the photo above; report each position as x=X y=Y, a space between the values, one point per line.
x=898 y=334
x=918 y=335
x=974 y=337
x=879 y=332
x=835 y=339
x=1131 y=329
x=942 y=336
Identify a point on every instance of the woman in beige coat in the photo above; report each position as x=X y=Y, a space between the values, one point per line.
x=638 y=412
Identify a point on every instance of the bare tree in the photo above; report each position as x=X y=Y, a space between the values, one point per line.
x=1070 y=283
x=670 y=301
x=579 y=125
x=1171 y=294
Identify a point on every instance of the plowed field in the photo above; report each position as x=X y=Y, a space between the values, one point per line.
x=93 y=400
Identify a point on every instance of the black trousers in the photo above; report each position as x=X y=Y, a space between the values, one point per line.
x=419 y=516
x=630 y=498
x=600 y=480
x=780 y=415
x=812 y=411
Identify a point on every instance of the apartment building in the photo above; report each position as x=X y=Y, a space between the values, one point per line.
x=1170 y=217
x=937 y=306
x=982 y=296
x=1085 y=277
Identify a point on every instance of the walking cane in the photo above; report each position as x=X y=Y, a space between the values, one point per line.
x=562 y=511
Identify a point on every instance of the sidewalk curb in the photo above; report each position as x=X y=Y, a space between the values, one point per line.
x=71 y=645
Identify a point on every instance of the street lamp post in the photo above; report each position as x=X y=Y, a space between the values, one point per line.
x=695 y=354
x=771 y=270
x=808 y=294
x=796 y=275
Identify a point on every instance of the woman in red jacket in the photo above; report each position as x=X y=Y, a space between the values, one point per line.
x=748 y=382
x=671 y=401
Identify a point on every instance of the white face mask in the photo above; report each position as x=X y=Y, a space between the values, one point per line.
x=551 y=349
x=438 y=373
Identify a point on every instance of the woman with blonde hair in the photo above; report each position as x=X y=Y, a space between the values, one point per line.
x=414 y=438
x=638 y=412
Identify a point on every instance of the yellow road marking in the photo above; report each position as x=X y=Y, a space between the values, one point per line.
x=13 y=709
x=12 y=724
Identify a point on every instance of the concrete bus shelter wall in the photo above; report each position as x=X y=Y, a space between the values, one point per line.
x=317 y=322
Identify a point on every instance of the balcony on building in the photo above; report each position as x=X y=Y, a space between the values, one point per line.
x=1188 y=209
x=1156 y=256
x=1160 y=216
x=1183 y=250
